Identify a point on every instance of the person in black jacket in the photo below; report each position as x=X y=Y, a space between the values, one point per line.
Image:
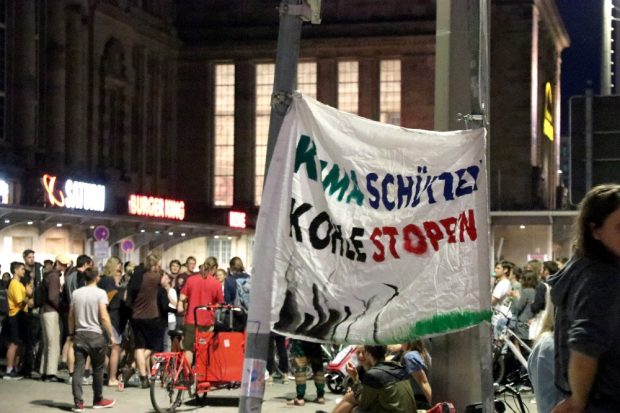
x=587 y=321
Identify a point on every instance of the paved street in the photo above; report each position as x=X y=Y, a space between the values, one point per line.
x=34 y=397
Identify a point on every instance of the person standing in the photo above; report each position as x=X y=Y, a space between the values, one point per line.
x=88 y=317
x=18 y=297
x=541 y=363
x=306 y=353
x=237 y=285
x=73 y=280
x=50 y=319
x=171 y=318
x=199 y=290
x=587 y=318
x=146 y=323
x=33 y=338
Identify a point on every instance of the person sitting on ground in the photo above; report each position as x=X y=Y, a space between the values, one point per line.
x=385 y=385
x=417 y=363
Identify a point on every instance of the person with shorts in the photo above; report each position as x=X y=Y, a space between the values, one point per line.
x=146 y=322
x=199 y=290
x=18 y=296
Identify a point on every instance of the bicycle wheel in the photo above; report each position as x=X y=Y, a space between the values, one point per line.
x=165 y=398
x=499 y=368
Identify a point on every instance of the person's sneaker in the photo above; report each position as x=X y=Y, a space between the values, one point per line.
x=279 y=377
x=13 y=375
x=53 y=379
x=103 y=404
x=87 y=381
x=70 y=380
x=78 y=407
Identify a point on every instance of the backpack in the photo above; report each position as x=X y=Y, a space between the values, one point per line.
x=242 y=298
x=71 y=284
x=39 y=293
x=4 y=302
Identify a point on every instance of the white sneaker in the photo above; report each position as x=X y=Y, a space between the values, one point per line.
x=87 y=381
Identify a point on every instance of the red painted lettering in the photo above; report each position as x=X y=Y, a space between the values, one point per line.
x=378 y=256
x=392 y=232
x=434 y=234
x=410 y=231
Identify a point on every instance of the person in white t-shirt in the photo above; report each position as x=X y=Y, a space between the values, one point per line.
x=503 y=286
x=501 y=291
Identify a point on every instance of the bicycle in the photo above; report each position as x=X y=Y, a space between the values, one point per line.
x=218 y=362
x=503 y=343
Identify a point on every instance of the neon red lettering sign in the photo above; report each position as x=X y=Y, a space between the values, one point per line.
x=237 y=219
x=151 y=206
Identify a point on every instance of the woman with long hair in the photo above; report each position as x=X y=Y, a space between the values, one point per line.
x=417 y=362
x=540 y=364
x=587 y=320
x=146 y=322
x=106 y=280
x=522 y=307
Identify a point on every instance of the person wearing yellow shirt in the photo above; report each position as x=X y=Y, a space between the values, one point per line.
x=18 y=297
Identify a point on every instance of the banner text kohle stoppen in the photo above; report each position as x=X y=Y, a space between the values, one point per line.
x=410 y=190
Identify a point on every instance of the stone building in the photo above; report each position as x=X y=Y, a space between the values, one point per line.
x=171 y=99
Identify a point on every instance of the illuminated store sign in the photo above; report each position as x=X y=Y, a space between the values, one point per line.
x=236 y=219
x=74 y=194
x=548 y=121
x=4 y=192
x=150 y=206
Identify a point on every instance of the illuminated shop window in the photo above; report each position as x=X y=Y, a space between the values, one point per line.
x=348 y=86
x=220 y=247
x=264 y=88
x=389 y=87
x=306 y=78
x=224 y=134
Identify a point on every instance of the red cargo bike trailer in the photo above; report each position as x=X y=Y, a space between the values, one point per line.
x=218 y=359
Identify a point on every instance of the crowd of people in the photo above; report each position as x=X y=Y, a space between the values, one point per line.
x=103 y=327
x=66 y=315
x=569 y=312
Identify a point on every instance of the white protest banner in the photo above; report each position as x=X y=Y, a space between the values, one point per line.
x=373 y=233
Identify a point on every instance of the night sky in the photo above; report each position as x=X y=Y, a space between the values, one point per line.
x=581 y=62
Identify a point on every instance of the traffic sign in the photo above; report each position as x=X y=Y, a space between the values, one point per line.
x=101 y=233
x=127 y=245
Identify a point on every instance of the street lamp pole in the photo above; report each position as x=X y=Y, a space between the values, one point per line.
x=259 y=317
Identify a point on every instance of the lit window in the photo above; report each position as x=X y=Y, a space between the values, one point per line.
x=264 y=88
x=224 y=134
x=220 y=248
x=306 y=78
x=389 y=88
x=348 y=86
